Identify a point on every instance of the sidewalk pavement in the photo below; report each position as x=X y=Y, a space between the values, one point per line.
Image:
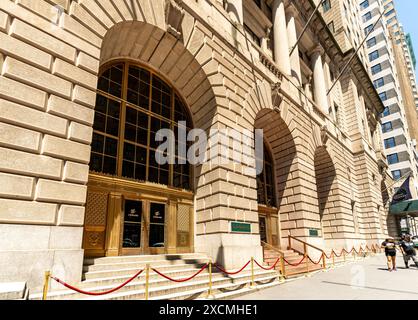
x=366 y=279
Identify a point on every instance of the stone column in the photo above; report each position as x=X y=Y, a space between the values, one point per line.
x=328 y=84
x=320 y=90
x=281 y=42
x=292 y=38
x=236 y=11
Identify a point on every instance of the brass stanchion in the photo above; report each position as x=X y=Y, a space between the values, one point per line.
x=345 y=259
x=333 y=259
x=307 y=266
x=324 y=261
x=210 y=294
x=252 y=272
x=147 y=281
x=46 y=284
x=282 y=268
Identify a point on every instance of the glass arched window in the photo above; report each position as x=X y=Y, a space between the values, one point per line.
x=266 y=194
x=132 y=104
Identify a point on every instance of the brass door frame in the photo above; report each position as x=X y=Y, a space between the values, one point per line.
x=132 y=251
x=268 y=214
x=118 y=190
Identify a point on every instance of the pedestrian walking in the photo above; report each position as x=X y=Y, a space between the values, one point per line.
x=408 y=251
x=390 y=250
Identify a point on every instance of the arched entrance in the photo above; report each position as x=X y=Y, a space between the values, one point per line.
x=135 y=204
x=276 y=204
x=266 y=197
x=325 y=175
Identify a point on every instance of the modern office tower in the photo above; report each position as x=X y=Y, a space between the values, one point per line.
x=397 y=141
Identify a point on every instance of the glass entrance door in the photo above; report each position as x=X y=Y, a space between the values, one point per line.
x=143 y=228
x=156 y=237
x=132 y=226
x=263 y=229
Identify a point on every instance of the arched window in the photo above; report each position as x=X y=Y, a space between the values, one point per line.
x=132 y=104
x=265 y=180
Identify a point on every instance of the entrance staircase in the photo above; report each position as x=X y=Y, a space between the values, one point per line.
x=103 y=274
x=293 y=257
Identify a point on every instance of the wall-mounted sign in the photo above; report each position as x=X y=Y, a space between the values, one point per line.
x=313 y=233
x=240 y=227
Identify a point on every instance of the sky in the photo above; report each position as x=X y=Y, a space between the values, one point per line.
x=408 y=15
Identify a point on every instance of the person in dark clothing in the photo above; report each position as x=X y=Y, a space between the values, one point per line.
x=390 y=250
x=408 y=251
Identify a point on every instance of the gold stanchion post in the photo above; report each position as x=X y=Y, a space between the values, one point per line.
x=344 y=255
x=333 y=259
x=324 y=261
x=252 y=272
x=210 y=294
x=147 y=281
x=282 y=268
x=46 y=285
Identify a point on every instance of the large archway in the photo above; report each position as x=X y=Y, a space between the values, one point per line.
x=280 y=143
x=148 y=81
x=325 y=175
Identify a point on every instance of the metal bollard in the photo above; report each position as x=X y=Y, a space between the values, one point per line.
x=46 y=284
x=324 y=261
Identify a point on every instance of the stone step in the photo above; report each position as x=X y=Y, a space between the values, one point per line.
x=187 y=293
x=145 y=258
x=13 y=291
x=131 y=271
x=141 y=265
x=160 y=286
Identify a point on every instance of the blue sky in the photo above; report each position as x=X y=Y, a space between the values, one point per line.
x=408 y=16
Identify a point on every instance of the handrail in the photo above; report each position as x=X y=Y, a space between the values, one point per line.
x=265 y=244
x=304 y=243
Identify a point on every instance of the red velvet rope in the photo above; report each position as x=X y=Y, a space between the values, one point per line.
x=181 y=280
x=268 y=269
x=338 y=256
x=296 y=264
x=231 y=273
x=316 y=263
x=96 y=293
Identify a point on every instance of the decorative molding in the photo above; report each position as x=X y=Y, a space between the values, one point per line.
x=174 y=15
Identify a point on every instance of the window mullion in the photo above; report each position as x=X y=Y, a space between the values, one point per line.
x=122 y=119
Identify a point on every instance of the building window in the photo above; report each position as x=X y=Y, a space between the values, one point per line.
x=252 y=35
x=376 y=68
x=132 y=104
x=397 y=174
x=374 y=55
x=386 y=112
x=383 y=96
x=368 y=30
x=386 y=127
x=393 y=158
x=379 y=83
x=266 y=194
x=326 y=5
x=390 y=143
x=364 y=4
x=367 y=16
x=331 y=26
x=371 y=42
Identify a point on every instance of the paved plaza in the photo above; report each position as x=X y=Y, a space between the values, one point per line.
x=362 y=280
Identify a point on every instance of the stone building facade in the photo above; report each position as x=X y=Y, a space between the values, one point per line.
x=70 y=74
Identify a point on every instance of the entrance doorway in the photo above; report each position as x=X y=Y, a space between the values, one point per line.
x=263 y=229
x=144 y=227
